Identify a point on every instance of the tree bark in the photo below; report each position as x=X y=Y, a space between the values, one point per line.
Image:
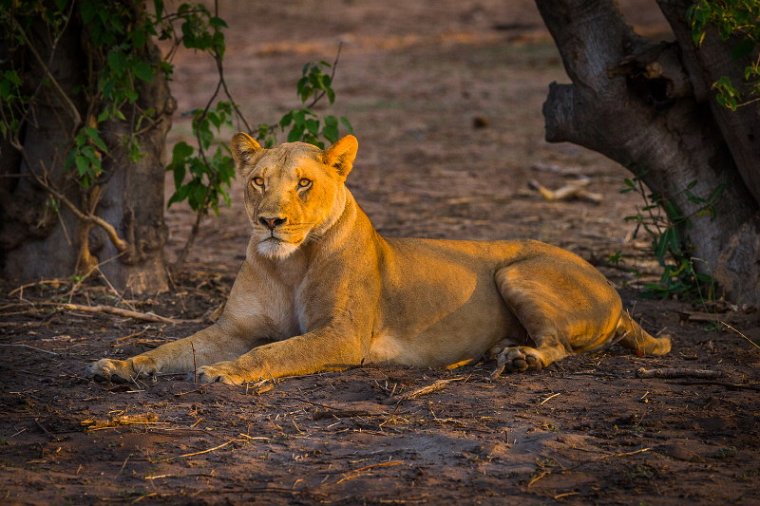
x=41 y=237
x=632 y=101
x=707 y=63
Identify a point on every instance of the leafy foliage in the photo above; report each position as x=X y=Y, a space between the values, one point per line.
x=208 y=177
x=211 y=176
x=738 y=21
x=303 y=123
x=117 y=40
x=663 y=223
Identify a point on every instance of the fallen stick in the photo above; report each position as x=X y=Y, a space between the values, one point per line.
x=55 y=282
x=29 y=347
x=678 y=372
x=350 y=475
x=576 y=189
x=127 y=313
x=433 y=387
x=729 y=327
x=549 y=398
x=556 y=169
x=185 y=455
x=113 y=422
x=725 y=384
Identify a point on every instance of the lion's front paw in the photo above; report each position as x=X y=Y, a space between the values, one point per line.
x=518 y=359
x=222 y=372
x=122 y=369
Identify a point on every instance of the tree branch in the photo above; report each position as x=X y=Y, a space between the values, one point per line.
x=120 y=244
x=67 y=100
x=332 y=76
x=706 y=64
x=672 y=145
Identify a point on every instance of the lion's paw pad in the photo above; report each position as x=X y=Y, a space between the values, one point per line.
x=218 y=374
x=121 y=370
x=518 y=359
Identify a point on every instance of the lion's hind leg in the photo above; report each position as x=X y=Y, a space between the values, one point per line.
x=564 y=307
x=633 y=337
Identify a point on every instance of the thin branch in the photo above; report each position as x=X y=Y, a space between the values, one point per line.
x=190 y=240
x=332 y=76
x=729 y=327
x=202 y=210
x=29 y=348
x=53 y=48
x=117 y=311
x=678 y=372
x=428 y=389
x=203 y=452
x=120 y=244
x=220 y=70
x=223 y=82
x=73 y=108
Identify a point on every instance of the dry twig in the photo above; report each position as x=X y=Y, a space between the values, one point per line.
x=29 y=347
x=127 y=313
x=677 y=372
x=725 y=384
x=350 y=475
x=120 y=244
x=574 y=190
x=549 y=398
x=202 y=452
x=428 y=389
x=55 y=282
x=729 y=327
x=117 y=421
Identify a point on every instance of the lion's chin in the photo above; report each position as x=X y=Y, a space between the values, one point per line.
x=276 y=249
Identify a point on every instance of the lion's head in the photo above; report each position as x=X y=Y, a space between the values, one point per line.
x=294 y=192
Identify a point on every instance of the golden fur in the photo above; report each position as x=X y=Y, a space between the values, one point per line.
x=321 y=289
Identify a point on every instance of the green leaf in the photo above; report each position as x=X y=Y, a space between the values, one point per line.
x=286 y=120
x=215 y=118
x=139 y=37
x=217 y=22
x=178 y=174
x=117 y=60
x=302 y=89
x=742 y=48
x=181 y=151
x=178 y=196
x=347 y=124
x=312 y=125
x=296 y=133
x=206 y=137
x=330 y=130
x=96 y=139
x=143 y=71
x=158 y=8
x=82 y=164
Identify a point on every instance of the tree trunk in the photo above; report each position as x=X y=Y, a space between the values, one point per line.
x=40 y=235
x=634 y=102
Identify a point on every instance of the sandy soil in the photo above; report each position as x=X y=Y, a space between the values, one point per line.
x=414 y=78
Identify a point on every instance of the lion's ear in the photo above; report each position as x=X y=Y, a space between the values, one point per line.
x=243 y=148
x=341 y=155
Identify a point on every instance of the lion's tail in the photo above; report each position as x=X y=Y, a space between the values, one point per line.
x=633 y=337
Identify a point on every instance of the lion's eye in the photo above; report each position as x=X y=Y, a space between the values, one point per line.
x=304 y=183
x=258 y=181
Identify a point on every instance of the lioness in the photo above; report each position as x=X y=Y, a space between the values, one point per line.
x=322 y=290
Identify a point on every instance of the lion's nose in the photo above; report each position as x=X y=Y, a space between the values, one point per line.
x=272 y=223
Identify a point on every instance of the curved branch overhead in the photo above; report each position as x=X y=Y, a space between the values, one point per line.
x=631 y=100
x=713 y=59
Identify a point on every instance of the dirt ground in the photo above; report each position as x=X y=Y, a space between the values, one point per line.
x=445 y=97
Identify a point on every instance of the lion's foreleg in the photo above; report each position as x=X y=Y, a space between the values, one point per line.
x=305 y=354
x=207 y=346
